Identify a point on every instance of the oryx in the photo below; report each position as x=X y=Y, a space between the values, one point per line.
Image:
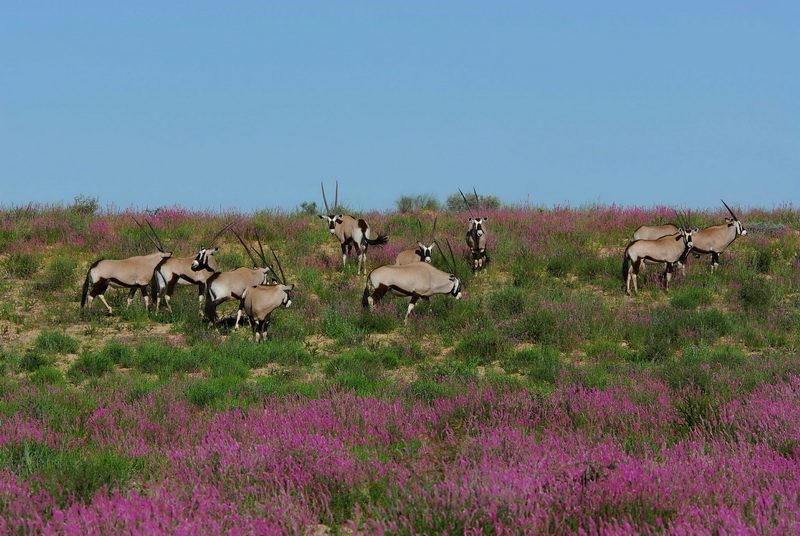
x=667 y=250
x=224 y=286
x=186 y=271
x=417 y=280
x=133 y=273
x=350 y=232
x=715 y=240
x=259 y=301
x=422 y=253
x=476 y=235
x=653 y=232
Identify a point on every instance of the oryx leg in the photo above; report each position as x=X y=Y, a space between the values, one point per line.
x=668 y=275
x=361 y=254
x=254 y=327
x=168 y=294
x=714 y=262
x=202 y=296
x=345 y=250
x=412 y=303
x=377 y=295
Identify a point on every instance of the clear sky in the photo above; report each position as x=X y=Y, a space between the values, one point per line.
x=251 y=104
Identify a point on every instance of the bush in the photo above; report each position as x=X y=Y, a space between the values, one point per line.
x=47 y=376
x=59 y=274
x=90 y=365
x=755 y=294
x=481 y=346
x=690 y=297
x=209 y=391
x=20 y=265
x=34 y=359
x=409 y=203
x=56 y=342
x=507 y=301
x=455 y=203
x=85 y=204
x=540 y=363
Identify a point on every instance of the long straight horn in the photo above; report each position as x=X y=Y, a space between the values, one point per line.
x=158 y=245
x=336 y=198
x=246 y=248
x=477 y=199
x=467 y=203
x=452 y=257
x=327 y=210
x=283 y=275
x=223 y=231
x=433 y=232
x=729 y=210
x=261 y=250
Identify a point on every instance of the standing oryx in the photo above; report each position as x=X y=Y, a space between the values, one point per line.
x=654 y=232
x=417 y=280
x=421 y=253
x=259 y=301
x=186 y=271
x=133 y=273
x=715 y=240
x=666 y=250
x=476 y=235
x=350 y=232
x=224 y=286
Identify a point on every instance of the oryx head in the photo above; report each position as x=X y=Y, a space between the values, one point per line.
x=476 y=225
x=733 y=220
x=203 y=258
x=333 y=219
x=688 y=235
x=425 y=252
x=456 y=292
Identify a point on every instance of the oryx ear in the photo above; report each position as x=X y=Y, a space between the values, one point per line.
x=215 y=250
x=323 y=217
x=421 y=245
x=340 y=218
x=486 y=218
x=470 y=219
x=433 y=245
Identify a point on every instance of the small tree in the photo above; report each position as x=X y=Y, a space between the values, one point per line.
x=409 y=203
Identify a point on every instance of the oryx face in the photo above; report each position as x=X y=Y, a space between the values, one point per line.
x=476 y=224
x=456 y=292
x=425 y=251
x=333 y=221
x=202 y=259
x=687 y=235
x=740 y=230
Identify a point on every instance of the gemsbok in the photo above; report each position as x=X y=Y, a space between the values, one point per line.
x=179 y=271
x=667 y=250
x=715 y=240
x=417 y=280
x=133 y=273
x=224 y=286
x=351 y=233
x=476 y=235
x=422 y=253
x=654 y=232
x=259 y=301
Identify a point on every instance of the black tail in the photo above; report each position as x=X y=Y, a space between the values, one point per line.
x=625 y=264
x=154 y=289
x=365 y=297
x=85 y=291
x=380 y=241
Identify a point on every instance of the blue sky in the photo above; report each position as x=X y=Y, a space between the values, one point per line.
x=252 y=104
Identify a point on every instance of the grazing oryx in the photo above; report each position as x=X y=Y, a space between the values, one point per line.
x=186 y=271
x=421 y=253
x=653 y=232
x=417 y=280
x=666 y=250
x=715 y=240
x=259 y=301
x=351 y=233
x=224 y=286
x=476 y=235
x=133 y=273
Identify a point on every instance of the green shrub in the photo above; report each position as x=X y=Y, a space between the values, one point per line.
x=223 y=366
x=59 y=274
x=690 y=297
x=755 y=294
x=120 y=354
x=47 y=376
x=540 y=363
x=481 y=346
x=35 y=359
x=537 y=325
x=607 y=351
x=208 y=391
x=56 y=342
x=507 y=301
x=90 y=365
x=19 y=265
x=408 y=203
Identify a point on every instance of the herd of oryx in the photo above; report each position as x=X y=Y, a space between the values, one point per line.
x=260 y=291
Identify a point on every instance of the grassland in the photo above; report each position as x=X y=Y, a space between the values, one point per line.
x=544 y=401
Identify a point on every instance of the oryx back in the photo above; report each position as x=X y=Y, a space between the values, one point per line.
x=421 y=253
x=668 y=250
x=133 y=273
x=653 y=232
x=258 y=303
x=224 y=286
x=180 y=271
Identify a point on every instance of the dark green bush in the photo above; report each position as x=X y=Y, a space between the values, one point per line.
x=56 y=342
x=19 y=265
x=755 y=294
x=690 y=297
x=90 y=365
x=59 y=274
x=481 y=346
x=540 y=363
x=35 y=359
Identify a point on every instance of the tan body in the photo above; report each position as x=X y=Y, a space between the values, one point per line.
x=667 y=250
x=417 y=280
x=715 y=240
x=421 y=253
x=258 y=302
x=353 y=233
x=653 y=232
x=180 y=271
x=224 y=286
x=133 y=273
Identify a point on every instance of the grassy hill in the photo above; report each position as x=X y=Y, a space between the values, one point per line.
x=545 y=400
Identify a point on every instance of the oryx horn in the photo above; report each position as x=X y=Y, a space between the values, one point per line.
x=467 y=203
x=159 y=245
x=280 y=267
x=324 y=199
x=247 y=249
x=729 y=210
